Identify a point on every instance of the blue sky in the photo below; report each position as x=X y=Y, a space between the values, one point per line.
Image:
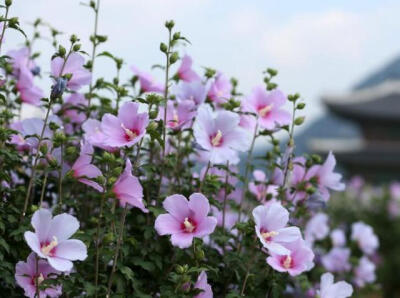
x=317 y=46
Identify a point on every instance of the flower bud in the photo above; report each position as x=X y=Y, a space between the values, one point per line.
x=61 y=51
x=169 y=24
x=163 y=47
x=35 y=70
x=152 y=126
x=117 y=171
x=272 y=72
x=153 y=114
x=199 y=254
x=73 y=38
x=43 y=148
x=8 y=3
x=299 y=120
x=174 y=57
x=112 y=180
x=176 y=35
x=101 y=38
x=59 y=137
x=108 y=157
x=58 y=88
x=76 y=47
x=71 y=150
x=300 y=106
x=310 y=190
x=52 y=161
x=180 y=269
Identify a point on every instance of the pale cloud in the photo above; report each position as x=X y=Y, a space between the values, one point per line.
x=313 y=38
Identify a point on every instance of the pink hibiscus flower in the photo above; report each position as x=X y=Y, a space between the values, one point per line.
x=128 y=189
x=26 y=277
x=185 y=71
x=364 y=235
x=220 y=89
x=267 y=105
x=82 y=169
x=329 y=289
x=147 y=82
x=185 y=219
x=179 y=115
x=28 y=92
x=298 y=260
x=194 y=91
x=337 y=260
x=19 y=59
x=271 y=221
x=51 y=239
x=220 y=135
x=202 y=284
x=74 y=65
x=127 y=129
x=326 y=178
x=260 y=189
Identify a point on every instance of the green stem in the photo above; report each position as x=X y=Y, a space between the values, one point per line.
x=98 y=239
x=32 y=178
x=121 y=232
x=60 y=178
x=37 y=277
x=4 y=27
x=96 y=21
x=166 y=91
x=43 y=189
x=247 y=169
x=205 y=176
x=225 y=197
x=290 y=145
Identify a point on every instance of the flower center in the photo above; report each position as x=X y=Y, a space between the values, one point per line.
x=188 y=225
x=175 y=120
x=40 y=278
x=217 y=139
x=287 y=262
x=46 y=249
x=268 y=235
x=129 y=134
x=265 y=110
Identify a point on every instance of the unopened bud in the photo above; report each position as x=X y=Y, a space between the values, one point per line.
x=73 y=38
x=169 y=24
x=174 y=57
x=163 y=47
x=76 y=47
x=61 y=51
x=299 y=120
x=300 y=106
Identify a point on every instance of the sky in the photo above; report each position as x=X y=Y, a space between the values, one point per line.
x=317 y=46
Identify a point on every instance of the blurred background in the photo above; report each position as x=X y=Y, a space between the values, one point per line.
x=342 y=56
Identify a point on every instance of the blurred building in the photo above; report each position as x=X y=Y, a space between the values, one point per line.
x=362 y=127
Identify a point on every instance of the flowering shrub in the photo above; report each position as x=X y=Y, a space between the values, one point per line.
x=377 y=207
x=144 y=189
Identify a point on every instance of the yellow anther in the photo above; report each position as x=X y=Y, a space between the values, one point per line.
x=189 y=227
x=129 y=132
x=48 y=248
x=287 y=263
x=265 y=110
x=267 y=235
x=216 y=140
